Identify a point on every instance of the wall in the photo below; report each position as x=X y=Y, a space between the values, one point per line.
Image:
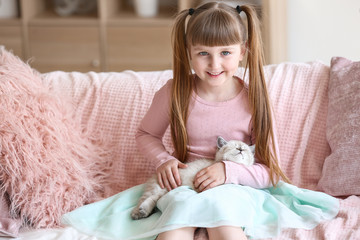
x=321 y=29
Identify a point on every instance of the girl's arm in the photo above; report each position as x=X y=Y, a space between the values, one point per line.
x=152 y=129
x=256 y=176
x=149 y=140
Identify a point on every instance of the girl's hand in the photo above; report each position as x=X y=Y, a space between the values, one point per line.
x=168 y=174
x=210 y=177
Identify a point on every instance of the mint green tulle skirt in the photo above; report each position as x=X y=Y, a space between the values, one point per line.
x=262 y=213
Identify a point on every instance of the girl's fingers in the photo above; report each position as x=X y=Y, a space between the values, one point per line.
x=211 y=185
x=165 y=181
x=208 y=184
x=168 y=174
x=160 y=181
x=170 y=179
x=210 y=177
x=176 y=175
x=199 y=178
x=182 y=165
x=204 y=184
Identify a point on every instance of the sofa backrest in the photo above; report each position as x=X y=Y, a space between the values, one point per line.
x=299 y=93
x=114 y=103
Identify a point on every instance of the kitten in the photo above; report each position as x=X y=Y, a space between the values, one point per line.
x=233 y=150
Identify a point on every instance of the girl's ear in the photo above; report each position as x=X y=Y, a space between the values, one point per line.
x=244 y=46
x=221 y=142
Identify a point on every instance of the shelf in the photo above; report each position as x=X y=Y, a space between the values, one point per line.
x=111 y=37
x=142 y=48
x=65 y=48
x=121 y=13
x=132 y=20
x=11 y=35
x=50 y=18
x=10 y=22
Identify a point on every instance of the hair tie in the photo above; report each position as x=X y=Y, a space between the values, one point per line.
x=191 y=11
x=238 y=9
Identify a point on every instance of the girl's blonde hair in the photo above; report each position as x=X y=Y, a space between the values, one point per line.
x=218 y=24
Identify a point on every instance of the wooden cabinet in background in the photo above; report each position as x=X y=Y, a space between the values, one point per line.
x=11 y=35
x=112 y=38
x=65 y=48
x=141 y=47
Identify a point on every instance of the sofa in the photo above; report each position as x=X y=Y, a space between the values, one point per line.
x=67 y=139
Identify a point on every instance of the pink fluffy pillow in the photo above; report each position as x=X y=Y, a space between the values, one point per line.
x=341 y=169
x=48 y=165
x=9 y=227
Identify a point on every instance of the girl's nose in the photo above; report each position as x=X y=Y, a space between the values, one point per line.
x=215 y=62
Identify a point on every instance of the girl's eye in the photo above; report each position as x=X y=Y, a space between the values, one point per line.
x=203 y=53
x=225 y=53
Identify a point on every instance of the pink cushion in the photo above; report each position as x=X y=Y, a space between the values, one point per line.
x=47 y=163
x=341 y=169
x=9 y=227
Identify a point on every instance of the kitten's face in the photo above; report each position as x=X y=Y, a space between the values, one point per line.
x=235 y=151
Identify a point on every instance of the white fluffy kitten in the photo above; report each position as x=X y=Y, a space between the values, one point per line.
x=233 y=150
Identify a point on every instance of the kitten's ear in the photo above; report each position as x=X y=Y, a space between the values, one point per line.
x=221 y=142
x=252 y=148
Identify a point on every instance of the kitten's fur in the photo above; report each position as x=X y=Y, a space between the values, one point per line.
x=233 y=150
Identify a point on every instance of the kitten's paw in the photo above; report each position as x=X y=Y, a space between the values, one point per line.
x=139 y=213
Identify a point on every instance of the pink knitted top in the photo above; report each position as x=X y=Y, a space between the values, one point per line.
x=207 y=120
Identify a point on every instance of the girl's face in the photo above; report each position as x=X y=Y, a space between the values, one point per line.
x=215 y=65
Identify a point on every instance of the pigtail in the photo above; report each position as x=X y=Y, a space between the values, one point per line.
x=259 y=98
x=181 y=88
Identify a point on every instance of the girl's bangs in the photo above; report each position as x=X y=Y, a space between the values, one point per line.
x=218 y=29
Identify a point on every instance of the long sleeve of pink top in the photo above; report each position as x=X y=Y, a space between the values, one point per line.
x=207 y=120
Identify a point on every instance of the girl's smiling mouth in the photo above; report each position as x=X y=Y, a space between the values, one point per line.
x=214 y=74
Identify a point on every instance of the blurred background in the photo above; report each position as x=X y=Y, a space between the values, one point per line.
x=116 y=35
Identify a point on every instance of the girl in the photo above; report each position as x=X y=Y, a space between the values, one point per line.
x=213 y=45
x=199 y=106
x=212 y=40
